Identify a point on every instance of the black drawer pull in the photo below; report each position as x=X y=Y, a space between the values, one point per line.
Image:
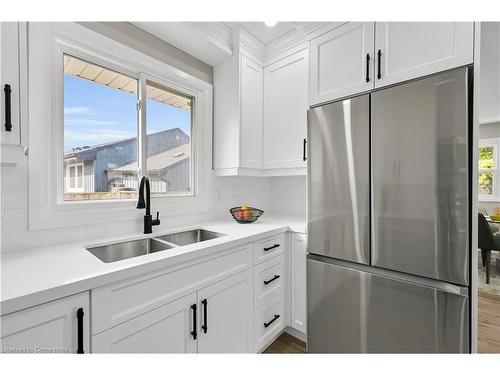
x=79 y=319
x=8 y=119
x=271 y=280
x=272 y=247
x=194 y=333
x=271 y=321
x=379 y=68
x=304 y=157
x=204 y=326
x=367 y=67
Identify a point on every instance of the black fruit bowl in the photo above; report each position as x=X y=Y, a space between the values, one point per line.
x=245 y=216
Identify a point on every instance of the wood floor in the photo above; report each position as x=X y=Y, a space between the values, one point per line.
x=488 y=335
x=286 y=344
x=489 y=323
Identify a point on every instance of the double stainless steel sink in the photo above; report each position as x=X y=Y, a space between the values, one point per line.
x=134 y=248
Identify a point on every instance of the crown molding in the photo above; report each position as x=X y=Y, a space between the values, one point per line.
x=246 y=43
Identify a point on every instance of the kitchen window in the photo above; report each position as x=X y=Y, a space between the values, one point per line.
x=104 y=128
x=101 y=115
x=488 y=183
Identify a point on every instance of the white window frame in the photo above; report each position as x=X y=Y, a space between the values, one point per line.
x=48 y=42
x=495 y=143
x=76 y=189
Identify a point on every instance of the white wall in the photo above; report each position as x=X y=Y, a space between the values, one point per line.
x=134 y=37
x=288 y=195
x=227 y=191
x=489 y=107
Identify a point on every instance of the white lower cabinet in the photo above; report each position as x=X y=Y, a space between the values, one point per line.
x=269 y=280
x=226 y=315
x=269 y=322
x=60 y=326
x=228 y=302
x=167 y=329
x=299 y=282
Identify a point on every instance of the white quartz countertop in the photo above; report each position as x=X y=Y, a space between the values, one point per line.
x=34 y=276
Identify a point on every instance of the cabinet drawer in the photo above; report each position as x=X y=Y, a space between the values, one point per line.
x=269 y=321
x=116 y=303
x=269 y=248
x=269 y=280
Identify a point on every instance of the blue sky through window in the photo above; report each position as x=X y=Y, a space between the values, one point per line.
x=96 y=114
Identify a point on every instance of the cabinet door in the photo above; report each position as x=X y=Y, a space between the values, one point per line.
x=251 y=114
x=298 y=278
x=285 y=111
x=166 y=329
x=415 y=49
x=48 y=328
x=342 y=62
x=225 y=314
x=9 y=55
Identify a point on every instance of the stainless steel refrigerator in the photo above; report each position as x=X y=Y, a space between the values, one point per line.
x=389 y=220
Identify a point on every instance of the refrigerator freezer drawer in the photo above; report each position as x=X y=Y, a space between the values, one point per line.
x=352 y=311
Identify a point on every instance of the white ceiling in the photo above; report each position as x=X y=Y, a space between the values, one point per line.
x=263 y=33
x=212 y=42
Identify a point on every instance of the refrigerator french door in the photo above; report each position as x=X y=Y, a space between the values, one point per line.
x=420 y=177
x=388 y=219
x=339 y=180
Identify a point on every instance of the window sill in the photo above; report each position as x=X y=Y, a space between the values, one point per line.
x=489 y=199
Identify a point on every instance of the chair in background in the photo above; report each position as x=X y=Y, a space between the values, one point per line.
x=487 y=242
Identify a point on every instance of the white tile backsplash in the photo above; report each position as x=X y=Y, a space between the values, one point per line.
x=288 y=195
x=227 y=192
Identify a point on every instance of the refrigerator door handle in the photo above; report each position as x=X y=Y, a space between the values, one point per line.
x=395 y=275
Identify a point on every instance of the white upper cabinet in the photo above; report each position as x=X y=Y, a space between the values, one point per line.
x=9 y=55
x=61 y=326
x=238 y=92
x=342 y=62
x=251 y=113
x=285 y=111
x=414 y=49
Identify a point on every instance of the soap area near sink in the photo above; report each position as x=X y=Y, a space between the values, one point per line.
x=138 y=247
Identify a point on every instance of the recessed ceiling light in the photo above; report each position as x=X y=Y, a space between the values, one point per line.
x=270 y=23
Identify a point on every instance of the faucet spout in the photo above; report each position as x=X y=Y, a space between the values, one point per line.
x=144 y=201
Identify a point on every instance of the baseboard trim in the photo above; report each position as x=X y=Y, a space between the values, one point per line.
x=296 y=333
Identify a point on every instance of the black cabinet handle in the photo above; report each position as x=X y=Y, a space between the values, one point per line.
x=204 y=326
x=304 y=157
x=379 y=68
x=367 y=67
x=271 y=280
x=8 y=120
x=271 y=321
x=194 y=332
x=79 y=319
x=272 y=247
